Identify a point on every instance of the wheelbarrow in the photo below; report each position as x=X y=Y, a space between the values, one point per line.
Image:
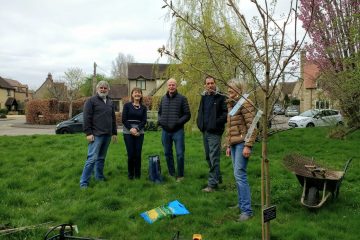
x=318 y=183
x=64 y=232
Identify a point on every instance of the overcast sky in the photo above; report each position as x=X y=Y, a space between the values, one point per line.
x=42 y=36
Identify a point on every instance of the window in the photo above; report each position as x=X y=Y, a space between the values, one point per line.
x=141 y=84
x=322 y=104
x=8 y=92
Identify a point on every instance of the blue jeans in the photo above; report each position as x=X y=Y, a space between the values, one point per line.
x=212 y=146
x=167 y=139
x=96 y=157
x=133 y=147
x=243 y=188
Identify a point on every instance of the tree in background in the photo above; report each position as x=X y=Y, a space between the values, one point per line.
x=74 y=78
x=57 y=90
x=87 y=87
x=120 y=67
x=267 y=54
x=197 y=56
x=334 y=30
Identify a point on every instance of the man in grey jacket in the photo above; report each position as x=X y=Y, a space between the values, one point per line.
x=99 y=127
x=173 y=113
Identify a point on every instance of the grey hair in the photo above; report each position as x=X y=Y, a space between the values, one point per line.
x=237 y=84
x=103 y=84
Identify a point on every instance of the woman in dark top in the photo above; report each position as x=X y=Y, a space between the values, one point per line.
x=134 y=120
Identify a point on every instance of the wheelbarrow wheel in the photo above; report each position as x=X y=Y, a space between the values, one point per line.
x=313 y=196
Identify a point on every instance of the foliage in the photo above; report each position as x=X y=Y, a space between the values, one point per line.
x=86 y=88
x=333 y=27
x=200 y=56
x=74 y=78
x=4 y=110
x=295 y=101
x=50 y=111
x=39 y=182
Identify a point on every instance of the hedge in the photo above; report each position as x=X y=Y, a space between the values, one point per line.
x=50 y=111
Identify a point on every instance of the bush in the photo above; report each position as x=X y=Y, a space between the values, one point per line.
x=50 y=111
x=2 y=115
x=3 y=111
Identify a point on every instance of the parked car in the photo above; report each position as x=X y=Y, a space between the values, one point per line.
x=73 y=125
x=292 y=111
x=316 y=117
x=278 y=110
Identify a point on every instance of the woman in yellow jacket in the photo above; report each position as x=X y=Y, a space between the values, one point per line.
x=238 y=147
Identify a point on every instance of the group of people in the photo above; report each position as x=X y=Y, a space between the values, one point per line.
x=174 y=113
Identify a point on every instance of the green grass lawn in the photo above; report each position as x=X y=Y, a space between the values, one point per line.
x=39 y=182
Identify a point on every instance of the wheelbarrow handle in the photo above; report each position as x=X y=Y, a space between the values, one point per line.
x=347 y=165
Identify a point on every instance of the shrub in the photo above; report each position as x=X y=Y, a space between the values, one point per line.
x=50 y=111
x=3 y=111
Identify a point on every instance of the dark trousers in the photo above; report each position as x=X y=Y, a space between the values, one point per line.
x=133 y=147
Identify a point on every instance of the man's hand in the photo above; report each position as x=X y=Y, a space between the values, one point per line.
x=90 y=138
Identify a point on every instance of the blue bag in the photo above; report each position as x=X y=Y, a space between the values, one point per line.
x=155 y=169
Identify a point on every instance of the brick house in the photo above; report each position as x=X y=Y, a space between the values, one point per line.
x=312 y=96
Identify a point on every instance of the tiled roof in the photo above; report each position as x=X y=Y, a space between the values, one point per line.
x=118 y=91
x=15 y=83
x=147 y=71
x=5 y=84
x=288 y=87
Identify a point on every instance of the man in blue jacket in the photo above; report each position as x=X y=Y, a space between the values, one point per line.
x=173 y=113
x=211 y=121
x=99 y=127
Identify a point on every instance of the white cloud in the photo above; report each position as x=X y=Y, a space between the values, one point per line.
x=41 y=36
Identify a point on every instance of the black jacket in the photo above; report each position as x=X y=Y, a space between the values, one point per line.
x=99 y=117
x=174 y=112
x=217 y=118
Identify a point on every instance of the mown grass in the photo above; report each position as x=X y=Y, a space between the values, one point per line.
x=39 y=182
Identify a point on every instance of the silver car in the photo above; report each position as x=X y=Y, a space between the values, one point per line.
x=292 y=111
x=316 y=118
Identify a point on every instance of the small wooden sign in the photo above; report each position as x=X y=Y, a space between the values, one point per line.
x=269 y=213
